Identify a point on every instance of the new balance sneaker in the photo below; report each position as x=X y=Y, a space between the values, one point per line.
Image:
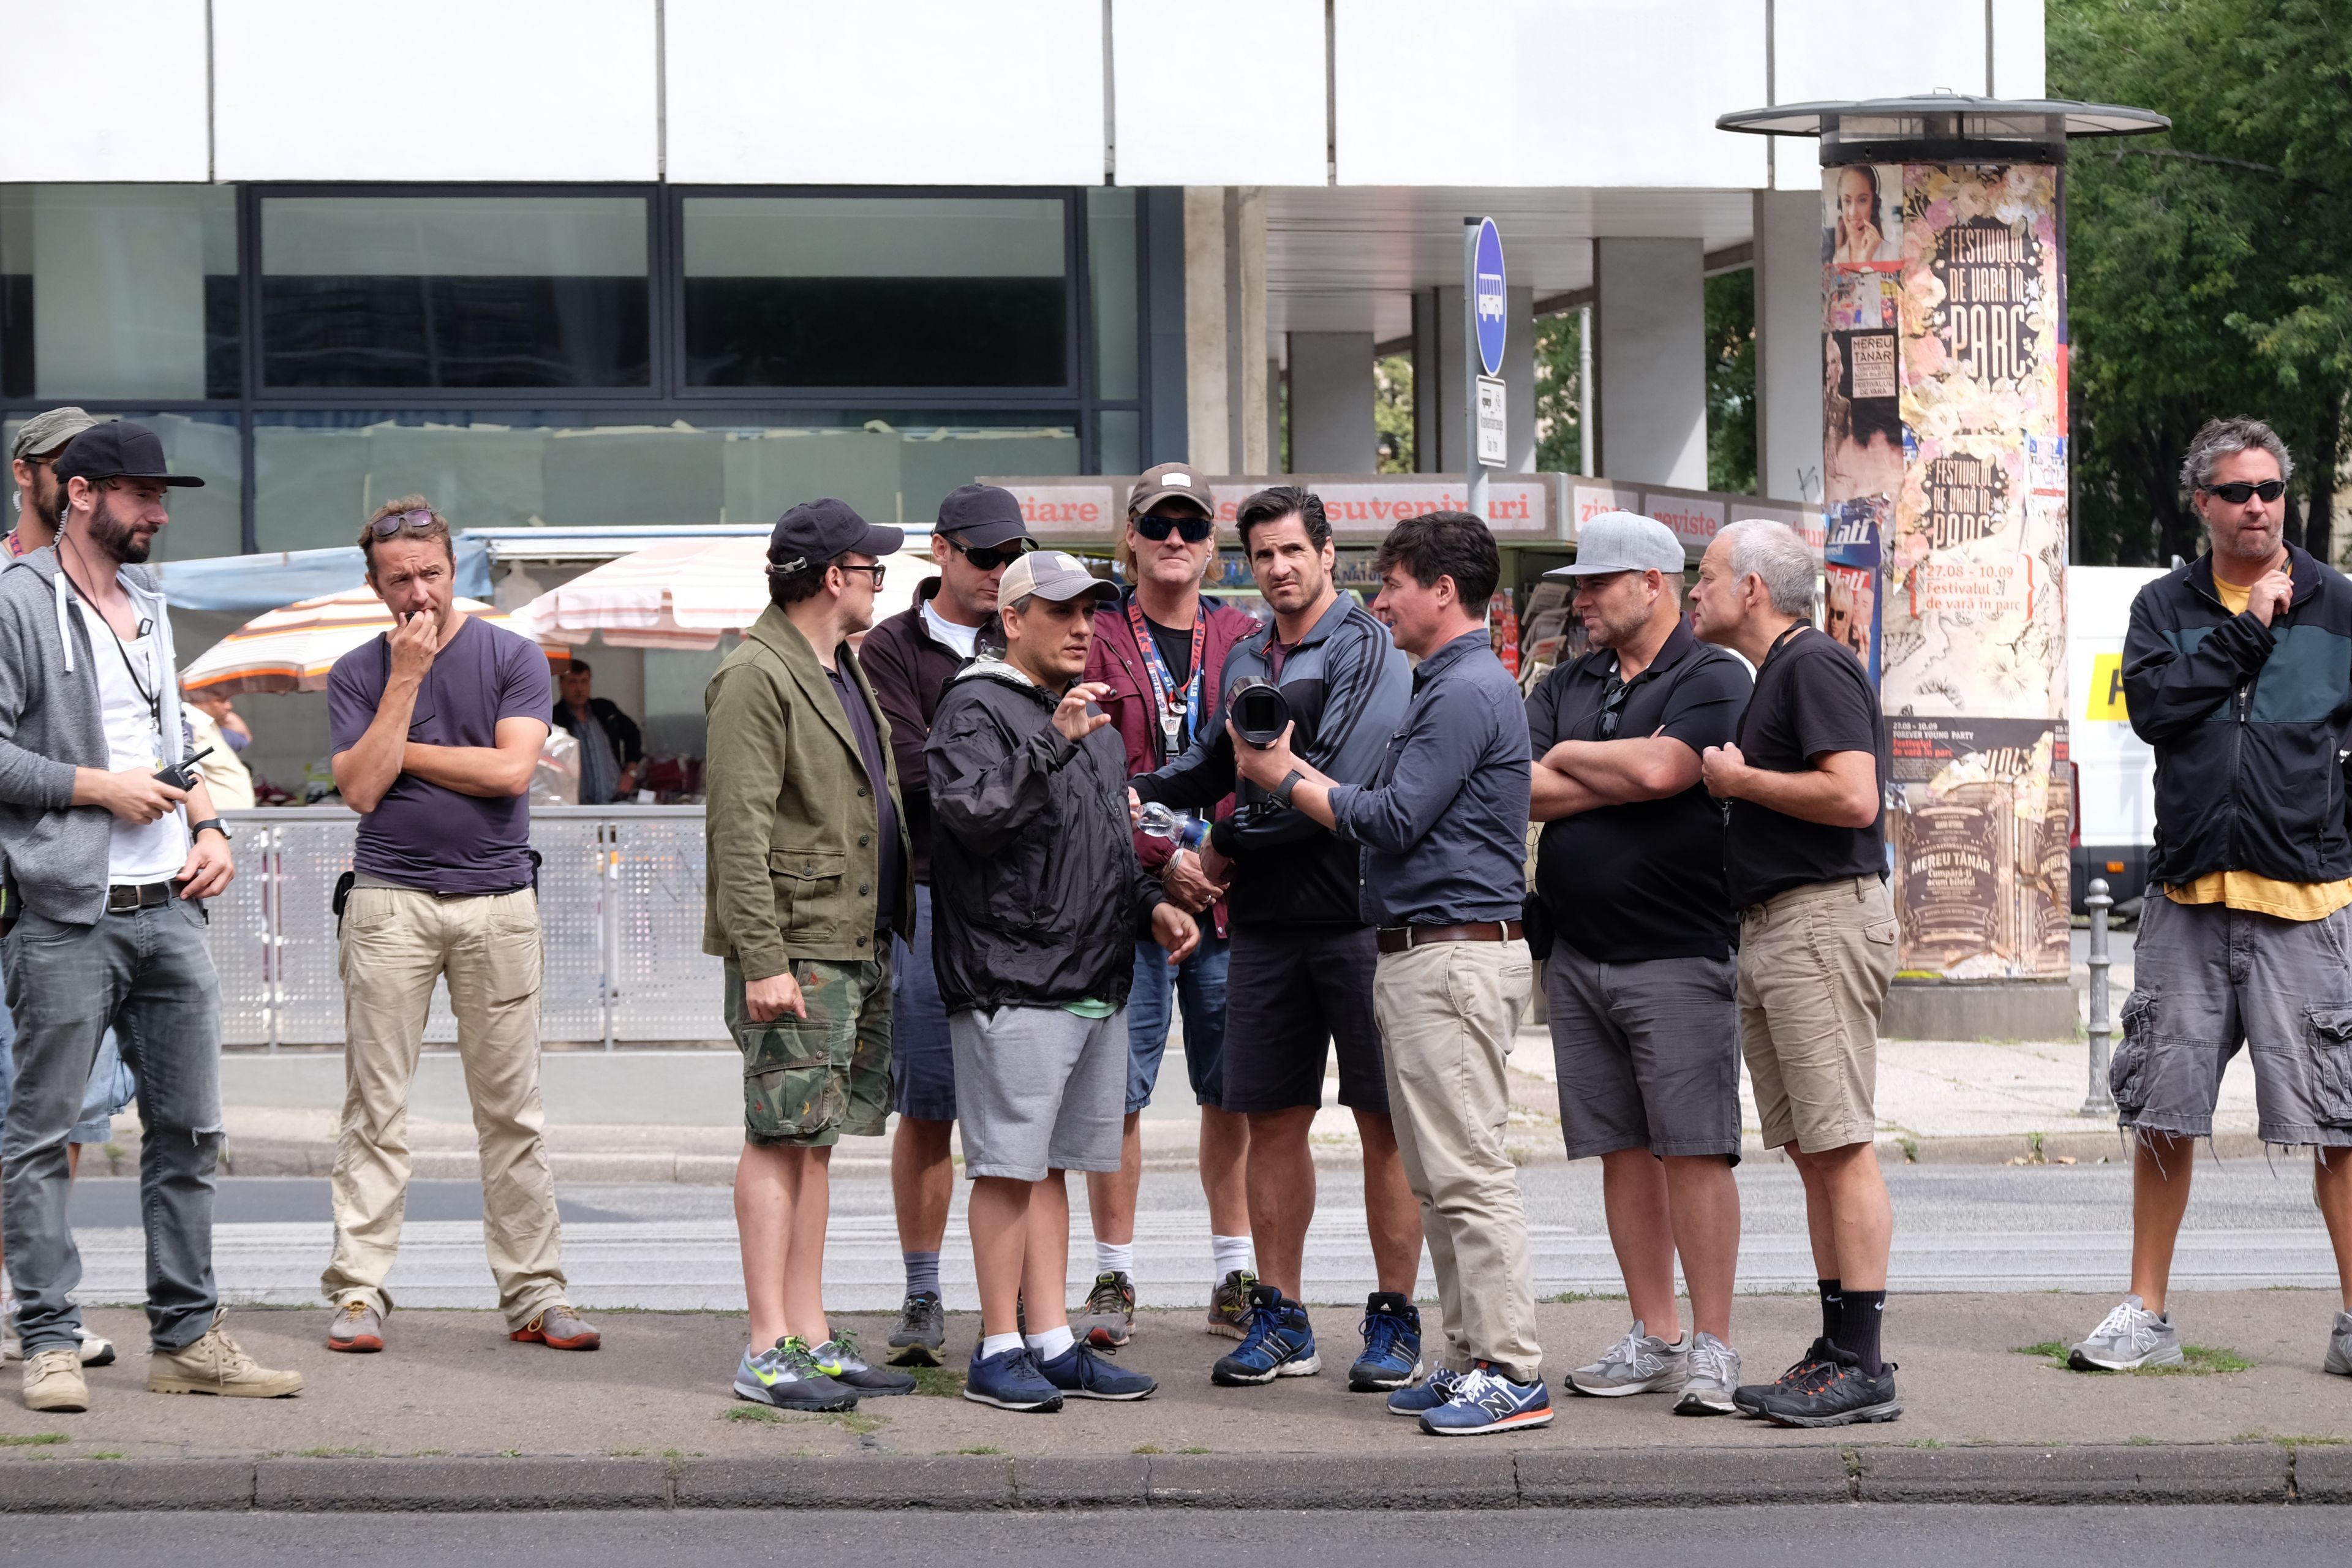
x=786 y=1376
x=1485 y=1401
x=1229 y=1304
x=1080 y=1374
x=1391 y=1358
x=1010 y=1380
x=2339 y=1347
x=2128 y=1339
x=1280 y=1343
x=358 y=1327
x=921 y=1329
x=1748 y=1398
x=1840 y=1393
x=1108 y=1319
x=1418 y=1399
x=1641 y=1362
x=838 y=1358
x=1710 y=1375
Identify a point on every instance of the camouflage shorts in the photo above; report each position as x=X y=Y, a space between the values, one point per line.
x=806 y=1082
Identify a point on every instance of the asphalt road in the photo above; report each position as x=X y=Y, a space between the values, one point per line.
x=1918 y=1537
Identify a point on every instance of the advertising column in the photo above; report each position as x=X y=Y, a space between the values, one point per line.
x=1943 y=463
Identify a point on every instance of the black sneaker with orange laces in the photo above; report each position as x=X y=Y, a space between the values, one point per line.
x=1748 y=1397
x=1838 y=1394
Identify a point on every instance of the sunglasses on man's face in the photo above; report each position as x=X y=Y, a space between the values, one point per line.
x=2237 y=492
x=1191 y=527
x=989 y=558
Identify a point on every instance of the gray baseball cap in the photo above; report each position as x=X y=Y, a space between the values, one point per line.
x=1051 y=574
x=48 y=431
x=1623 y=541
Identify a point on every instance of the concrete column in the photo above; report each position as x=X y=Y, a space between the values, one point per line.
x=1246 y=334
x=1649 y=324
x=1206 y=406
x=1331 y=429
x=1428 y=352
x=1274 y=384
x=1789 y=344
x=1441 y=397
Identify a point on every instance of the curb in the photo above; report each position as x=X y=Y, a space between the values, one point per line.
x=1483 y=1478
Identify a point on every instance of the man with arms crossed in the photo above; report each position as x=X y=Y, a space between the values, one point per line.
x=1644 y=1025
x=1039 y=898
x=2234 y=671
x=1444 y=830
x=1805 y=864
x=811 y=874
x=1303 y=957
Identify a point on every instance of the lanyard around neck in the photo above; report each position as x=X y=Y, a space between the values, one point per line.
x=1176 y=716
x=153 y=700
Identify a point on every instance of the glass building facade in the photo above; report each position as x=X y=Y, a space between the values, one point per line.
x=577 y=356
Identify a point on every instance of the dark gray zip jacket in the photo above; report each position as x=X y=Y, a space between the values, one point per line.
x=2249 y=722
x=1037 y=899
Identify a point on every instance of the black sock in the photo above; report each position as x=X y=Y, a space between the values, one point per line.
x=1833 y=1300
x=1858 y=1329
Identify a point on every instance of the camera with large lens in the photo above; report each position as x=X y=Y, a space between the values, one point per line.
x=1261 y=712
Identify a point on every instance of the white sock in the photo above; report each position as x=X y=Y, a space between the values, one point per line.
x=1053 y=1342
x=997 y=1344
x=1227 y=1253
x=1112 y=1258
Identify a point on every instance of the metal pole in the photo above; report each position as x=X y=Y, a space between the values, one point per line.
x=609 y=848
x=1472 y=368
x=273 y=967
x=1587 y=446
x=2101 y=1098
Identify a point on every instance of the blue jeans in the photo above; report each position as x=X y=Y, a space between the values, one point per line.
x=923 y=1061
x=1199 y=984
x=111 y=1086
x=148 y=976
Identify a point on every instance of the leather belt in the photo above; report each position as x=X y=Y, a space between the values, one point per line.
x=1398 y=939
x=130 y=897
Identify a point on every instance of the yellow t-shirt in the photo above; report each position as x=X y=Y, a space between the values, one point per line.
x=2244 y=890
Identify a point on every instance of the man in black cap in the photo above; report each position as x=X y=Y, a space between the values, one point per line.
x=811 y=873
x=910 y=658
x=108 y=869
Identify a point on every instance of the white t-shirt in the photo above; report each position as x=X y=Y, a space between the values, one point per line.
x=156 y=851
x=960 y=639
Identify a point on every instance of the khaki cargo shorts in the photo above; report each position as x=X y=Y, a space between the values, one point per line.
x=1814 y=965
x=807 y=1082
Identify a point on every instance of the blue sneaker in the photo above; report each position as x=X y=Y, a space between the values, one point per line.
x=1280 y=1343
x=1421 y=1399
x=1485 y=1401
x=1009 y=1380
x=1082 y=1374
x=1391 y=1358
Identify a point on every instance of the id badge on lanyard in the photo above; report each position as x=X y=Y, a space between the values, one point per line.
x=1174 y=702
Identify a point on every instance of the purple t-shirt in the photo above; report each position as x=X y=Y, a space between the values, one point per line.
x=421 y=835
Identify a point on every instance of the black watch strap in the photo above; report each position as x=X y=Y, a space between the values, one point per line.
x=1289 y=782
x=214 y=823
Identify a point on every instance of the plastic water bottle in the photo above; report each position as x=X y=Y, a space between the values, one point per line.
x=1181 y=828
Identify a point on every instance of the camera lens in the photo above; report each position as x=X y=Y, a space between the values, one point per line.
x=1260 y=712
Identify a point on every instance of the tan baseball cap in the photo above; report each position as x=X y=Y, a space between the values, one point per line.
x=1050 y=574
x=1170 y=481
x=49 y=430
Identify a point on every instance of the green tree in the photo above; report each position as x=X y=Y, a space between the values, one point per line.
x=1560 y=397
x=1731 y=381
x=1392 y=412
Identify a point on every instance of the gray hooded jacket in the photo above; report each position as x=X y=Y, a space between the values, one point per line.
x=54 y=851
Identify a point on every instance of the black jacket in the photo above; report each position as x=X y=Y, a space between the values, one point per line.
x=628 y=745
x=909 y=669
x=1036 y=897
x=2249 y=723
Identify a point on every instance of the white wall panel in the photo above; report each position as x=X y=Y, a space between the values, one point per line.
x=885 y=91
x=114 y=93
x=2016 y=48
x=1219 y=92
x=1548 y=92
x=435 y=89
x=1828 y=49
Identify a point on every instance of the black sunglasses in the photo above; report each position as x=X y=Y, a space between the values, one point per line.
x=417 y=520
x=1193 y=528
x=988 y=558
x=2237 y=492
x=879 y=569
x=1612 y=702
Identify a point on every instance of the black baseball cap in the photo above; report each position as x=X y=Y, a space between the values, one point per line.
x=815 y=531
x=980 y=516
x=117 y=449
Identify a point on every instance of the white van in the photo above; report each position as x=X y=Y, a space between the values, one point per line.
x=2115 y=770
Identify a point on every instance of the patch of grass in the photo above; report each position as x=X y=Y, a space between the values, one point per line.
x=983 y=1448
x=1147 y=1449
x=762 y=1412
x=428 y=1453
x=1925 y=1443
x=847 y=1420
x=108 y=1454
x=510 y=1453
x=1910 y=1147
x=1570 y=1298
x=1195 y=1448
x=2052 y=1351
x=2197 y=1360
x=336 y=1453
x=2309 y=1442
x=624 y=1453
x=938 y=1382
x=2139 y=1442
x=31 y=1439
x=856 y=1421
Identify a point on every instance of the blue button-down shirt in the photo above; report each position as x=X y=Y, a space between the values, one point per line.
x=1444 y=822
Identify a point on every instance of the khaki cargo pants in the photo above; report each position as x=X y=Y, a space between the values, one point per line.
x=395 y=943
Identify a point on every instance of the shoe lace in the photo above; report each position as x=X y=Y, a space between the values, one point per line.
x=2125 y=1319
x=795 y=1354
x=1106 y=1298
x=1240 y=1282
x=1263 y=1321
x=1626 y=1353
x=845 y=1341
x=1382 y=1330
x=355 y=1309
x=1711 y=1358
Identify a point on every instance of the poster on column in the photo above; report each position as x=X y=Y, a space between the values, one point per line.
x=1984 y=809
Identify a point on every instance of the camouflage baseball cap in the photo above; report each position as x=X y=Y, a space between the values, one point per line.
x=47 y=432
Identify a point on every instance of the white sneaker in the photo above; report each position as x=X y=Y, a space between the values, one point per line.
x=95 y=1350
x=1641 y=1362
x=2128 y=1339
x=2339 y=1346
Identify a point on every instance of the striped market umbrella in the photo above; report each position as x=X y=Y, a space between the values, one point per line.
x=292 y=649
x=683 y=592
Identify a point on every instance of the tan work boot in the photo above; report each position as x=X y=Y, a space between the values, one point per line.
x=215 y=1364
x=53 y=1380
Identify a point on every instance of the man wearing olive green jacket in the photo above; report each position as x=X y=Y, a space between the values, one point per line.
x=809 y=872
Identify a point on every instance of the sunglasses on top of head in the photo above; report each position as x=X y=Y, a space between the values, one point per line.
x=1191 y=527
x=2237 y=492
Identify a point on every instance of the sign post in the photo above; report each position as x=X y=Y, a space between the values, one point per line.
x=1486 y=306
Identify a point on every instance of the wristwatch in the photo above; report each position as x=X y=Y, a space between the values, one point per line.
x=1290 y=780
x=212 y=822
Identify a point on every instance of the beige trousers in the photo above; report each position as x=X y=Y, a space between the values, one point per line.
x=395 y=945
x=1447 y=1013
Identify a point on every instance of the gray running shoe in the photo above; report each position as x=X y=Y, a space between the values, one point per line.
x=1712 y=1372
x=923 y=1330
x=785 y=1376
x=1109 y=1318
x=2339 y=1347
x=838 y=1358
x=2127 y=1339
x=1229 y=1304
x=1641 y=1362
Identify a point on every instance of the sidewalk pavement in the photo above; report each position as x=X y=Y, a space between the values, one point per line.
x=453 y=1415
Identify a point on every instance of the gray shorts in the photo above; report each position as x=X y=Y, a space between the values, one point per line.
x=1039 y=1089
x=1648 y=1054
x=2212 y=978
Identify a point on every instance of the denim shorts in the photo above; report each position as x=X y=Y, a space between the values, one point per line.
x=923 y=1061
x=1199 y=984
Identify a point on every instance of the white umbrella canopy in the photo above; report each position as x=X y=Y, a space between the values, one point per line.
x=292 y=649
x=683 y=594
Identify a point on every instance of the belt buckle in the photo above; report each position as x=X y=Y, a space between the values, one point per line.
x=122 y=898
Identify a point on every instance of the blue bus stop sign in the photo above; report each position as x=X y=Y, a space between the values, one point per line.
x=1493 y=312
